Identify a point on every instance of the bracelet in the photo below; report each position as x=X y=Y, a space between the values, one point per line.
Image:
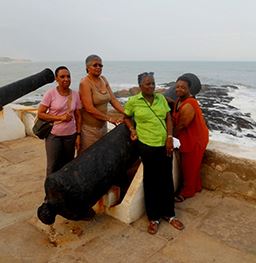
x=169 y=136
x=131 y=129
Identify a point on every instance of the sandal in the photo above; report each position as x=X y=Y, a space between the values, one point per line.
x=179 y=198
x=175 y=222
x=153 y=227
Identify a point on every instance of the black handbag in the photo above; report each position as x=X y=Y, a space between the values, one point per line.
x=42 y=128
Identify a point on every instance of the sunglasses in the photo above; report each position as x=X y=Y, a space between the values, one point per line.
x=97 y=65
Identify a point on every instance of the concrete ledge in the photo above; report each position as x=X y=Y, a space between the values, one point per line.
x=132 y=206
x=229 y=174
x=16 y=121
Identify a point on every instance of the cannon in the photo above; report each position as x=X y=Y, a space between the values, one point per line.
x=75 y=188
x=15 y=90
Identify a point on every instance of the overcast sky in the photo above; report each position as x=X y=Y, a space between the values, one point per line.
x=128 y=29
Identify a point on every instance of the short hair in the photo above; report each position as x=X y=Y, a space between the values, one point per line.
x=186 y=79
x=90 y=58
x=46 y=214
x=60 y=68
x=141 y=76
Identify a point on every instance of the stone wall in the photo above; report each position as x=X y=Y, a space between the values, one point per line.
x=229 y=174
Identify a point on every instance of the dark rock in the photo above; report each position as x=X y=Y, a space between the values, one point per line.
x=127 y=93
x=134 y=90
x=220 y=115
x=122 y=93
x=30 y=103
x=229 y=86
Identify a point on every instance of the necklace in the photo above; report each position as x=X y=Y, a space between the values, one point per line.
x=99 y=87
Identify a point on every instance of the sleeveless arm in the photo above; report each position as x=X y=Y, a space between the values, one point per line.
x=113 y=101
x=86 y=100
x=187 y=114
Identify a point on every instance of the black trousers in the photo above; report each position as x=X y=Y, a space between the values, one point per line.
x=157 y=181
x=59 y=151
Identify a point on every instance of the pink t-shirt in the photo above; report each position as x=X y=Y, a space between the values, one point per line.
x=58 y=105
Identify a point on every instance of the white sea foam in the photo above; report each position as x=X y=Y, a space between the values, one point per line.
x=234 y=149
x=245 y=99
x=230 y=139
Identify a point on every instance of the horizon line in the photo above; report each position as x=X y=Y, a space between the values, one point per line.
x=136 y=60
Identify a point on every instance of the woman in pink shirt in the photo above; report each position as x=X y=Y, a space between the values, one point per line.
x=61 y=105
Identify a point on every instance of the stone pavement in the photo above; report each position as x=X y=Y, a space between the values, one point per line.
x=218 y=228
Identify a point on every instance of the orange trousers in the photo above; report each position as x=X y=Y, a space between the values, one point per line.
x=190 y=166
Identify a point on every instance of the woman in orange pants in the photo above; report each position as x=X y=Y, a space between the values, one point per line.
x=190 y=128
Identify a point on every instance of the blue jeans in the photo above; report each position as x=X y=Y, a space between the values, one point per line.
x=60 y=150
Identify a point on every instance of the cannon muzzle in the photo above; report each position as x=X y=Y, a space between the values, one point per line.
x=15 y=90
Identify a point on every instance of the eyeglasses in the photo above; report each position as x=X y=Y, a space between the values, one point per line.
x=97 y=65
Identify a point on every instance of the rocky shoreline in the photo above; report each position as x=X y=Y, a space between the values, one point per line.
x=221 y=116
x=215 y=101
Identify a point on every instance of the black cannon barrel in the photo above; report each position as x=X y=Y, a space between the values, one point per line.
x=21 y=87
x=75 y=188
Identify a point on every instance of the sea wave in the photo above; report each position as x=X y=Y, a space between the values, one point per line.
x=244 y=99
x=229 y=117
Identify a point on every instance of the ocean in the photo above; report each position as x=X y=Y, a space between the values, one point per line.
x=123 y=75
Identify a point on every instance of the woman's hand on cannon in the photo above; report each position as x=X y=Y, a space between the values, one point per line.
x=115 y=121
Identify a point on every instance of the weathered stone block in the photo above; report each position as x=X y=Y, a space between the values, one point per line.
x=229 y=174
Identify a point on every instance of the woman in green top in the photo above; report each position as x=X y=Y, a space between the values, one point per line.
x=153 y=133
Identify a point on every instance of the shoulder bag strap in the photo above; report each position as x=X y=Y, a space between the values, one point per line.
x=155 y=114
